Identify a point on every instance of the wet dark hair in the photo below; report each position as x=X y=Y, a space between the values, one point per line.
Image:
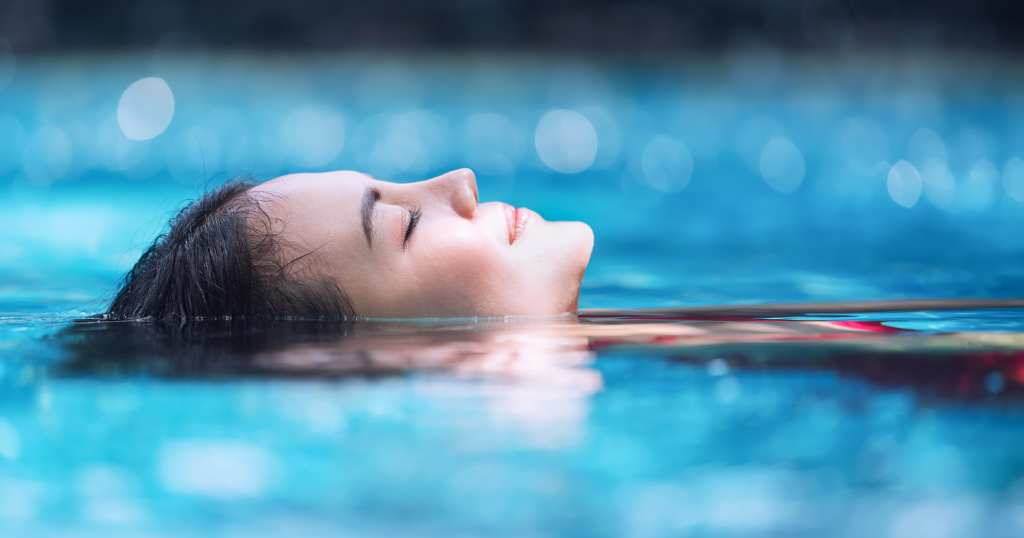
x=221 y=258
x=200 y=349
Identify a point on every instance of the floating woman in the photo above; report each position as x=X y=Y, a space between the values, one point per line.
x=343 y=245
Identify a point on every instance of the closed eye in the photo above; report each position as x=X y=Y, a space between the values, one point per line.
x=414 y=219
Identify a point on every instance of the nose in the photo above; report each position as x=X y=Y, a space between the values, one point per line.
x=457 y=188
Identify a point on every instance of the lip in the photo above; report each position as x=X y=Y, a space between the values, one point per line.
x=517 y=219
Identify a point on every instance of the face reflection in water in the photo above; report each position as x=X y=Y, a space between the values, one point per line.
x=428 y=249
x=541 y=373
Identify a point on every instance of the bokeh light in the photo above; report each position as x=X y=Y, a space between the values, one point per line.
x=667 y=164
x=979 y=191
x=924 y=146
x=146 y=109
x=717 y=367
x=216 y=469
x=904 y=184
x=566 y=141
x=312 y=136
x=1013 y=179
x=782 y=165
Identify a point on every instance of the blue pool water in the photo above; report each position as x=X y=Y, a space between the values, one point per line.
x=629 y=421
x=595 y=427
x=79 y=193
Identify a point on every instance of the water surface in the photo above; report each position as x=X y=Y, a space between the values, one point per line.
x=733 y=372
x=637 y=423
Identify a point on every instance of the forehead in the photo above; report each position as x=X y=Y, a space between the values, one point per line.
x=316 y=185
x=313 y=209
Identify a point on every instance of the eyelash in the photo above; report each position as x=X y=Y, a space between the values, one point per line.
x=414 y=218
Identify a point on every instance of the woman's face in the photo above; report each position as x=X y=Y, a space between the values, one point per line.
x=428 y=249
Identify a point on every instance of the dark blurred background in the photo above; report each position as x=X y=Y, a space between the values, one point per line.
x=568 y=25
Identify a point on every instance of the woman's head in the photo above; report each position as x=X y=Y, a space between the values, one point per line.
x=344 y=243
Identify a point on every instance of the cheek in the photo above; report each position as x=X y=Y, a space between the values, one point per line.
x=463 y=270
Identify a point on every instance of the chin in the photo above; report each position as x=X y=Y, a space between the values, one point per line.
x=586 y=247
x=578 y=245
x=553 y=270
x=582 y=244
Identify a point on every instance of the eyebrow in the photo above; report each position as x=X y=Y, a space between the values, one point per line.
x=370 y=198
